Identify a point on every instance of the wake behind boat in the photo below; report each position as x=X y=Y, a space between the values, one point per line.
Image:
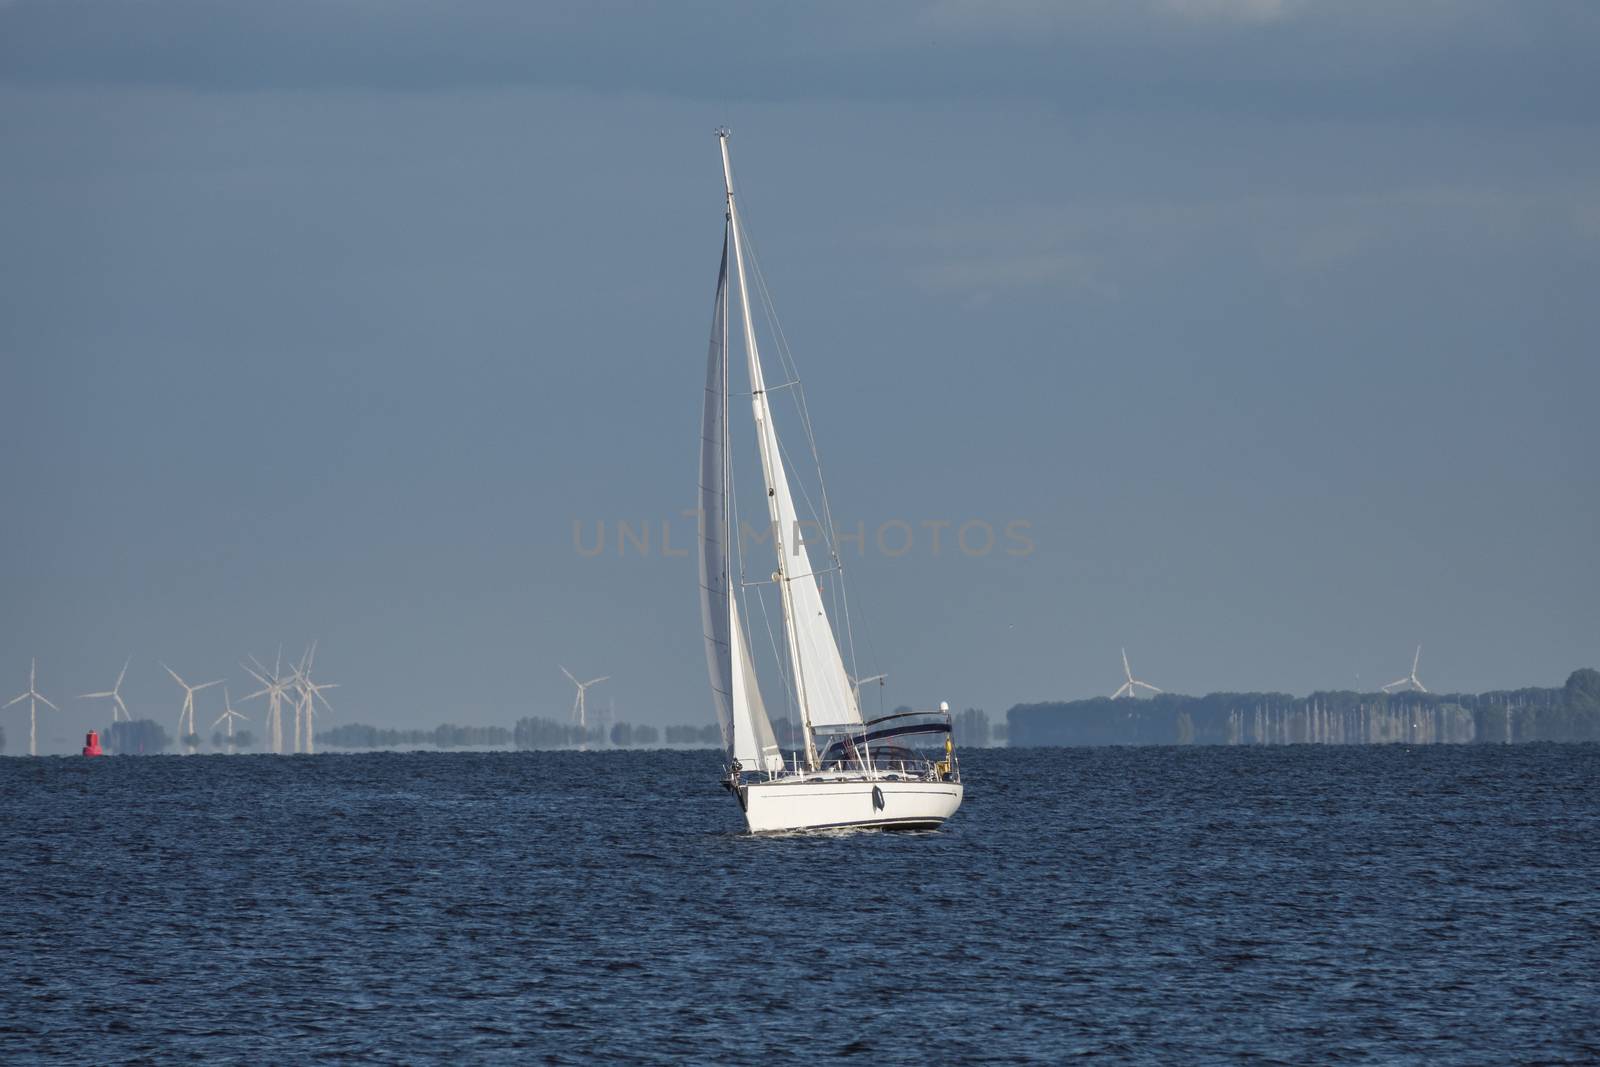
x=853 y=772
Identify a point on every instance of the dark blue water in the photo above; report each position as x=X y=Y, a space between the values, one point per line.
x=1290 y=905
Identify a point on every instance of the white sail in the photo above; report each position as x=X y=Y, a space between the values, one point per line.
x=754 y=744
x=822 y=688
x=746 y=730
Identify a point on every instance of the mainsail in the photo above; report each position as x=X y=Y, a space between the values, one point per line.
x=825 y=695
x=746 y=730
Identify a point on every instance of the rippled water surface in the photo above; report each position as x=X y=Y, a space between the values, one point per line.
x=1161 y=906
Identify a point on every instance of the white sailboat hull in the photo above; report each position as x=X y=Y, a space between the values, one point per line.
x=821 y=803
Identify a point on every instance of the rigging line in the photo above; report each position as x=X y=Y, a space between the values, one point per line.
x=838 y=591
x=842 y=607
x=777 y=653
x=849 y=629
x=866 y=635
x=814 y=572
x=824 y=517
x=731 y=505
x=764 y=298
x=786 y=356
x=784 y=385
x=794 y=700
x=744 y=583
x=827 y=537
x=744 y=594
x=842 y=604
x=785 y=353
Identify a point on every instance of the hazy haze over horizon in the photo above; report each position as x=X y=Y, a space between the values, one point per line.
x=1274 y=321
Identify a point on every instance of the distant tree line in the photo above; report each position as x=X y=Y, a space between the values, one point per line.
x=1570 y=713
x=538 y=733
x=533 y=732
x=447 y=735
x=142 y=737
x=973 y=729
x=145 y=736
x=708 y=735
x=148 y=737
x=529 y=732
x=627 y=735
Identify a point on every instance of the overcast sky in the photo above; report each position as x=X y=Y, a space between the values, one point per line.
x=1273 y=322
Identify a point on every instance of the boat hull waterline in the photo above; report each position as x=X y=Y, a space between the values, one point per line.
x=822 y=803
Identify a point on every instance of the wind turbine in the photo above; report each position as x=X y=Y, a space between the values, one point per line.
x=1129 y=686
x=295 y=673
x=188 y=705
x=228 y=715
x=273 y=686
x=306 y=707
x=115 y=693
x=31 y=696
x=580 y=713
x=1410 y=679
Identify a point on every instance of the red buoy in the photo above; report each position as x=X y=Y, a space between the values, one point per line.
x=91 y=745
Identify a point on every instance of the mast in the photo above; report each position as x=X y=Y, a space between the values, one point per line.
x=770 y=474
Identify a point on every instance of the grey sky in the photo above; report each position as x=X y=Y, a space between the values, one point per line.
x=1275 y=320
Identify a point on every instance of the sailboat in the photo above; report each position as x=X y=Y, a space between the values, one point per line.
x=843 y=771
